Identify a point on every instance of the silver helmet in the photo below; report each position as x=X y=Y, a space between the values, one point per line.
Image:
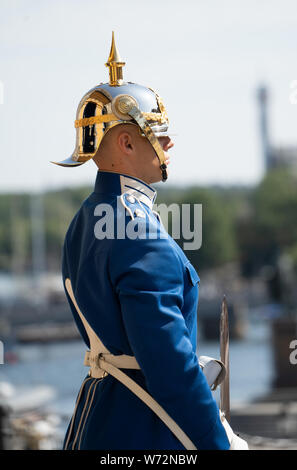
x=117 y=102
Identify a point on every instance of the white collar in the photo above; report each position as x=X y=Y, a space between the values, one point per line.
x=138 y=189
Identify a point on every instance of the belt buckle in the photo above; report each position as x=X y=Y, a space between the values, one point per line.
x=97 y=359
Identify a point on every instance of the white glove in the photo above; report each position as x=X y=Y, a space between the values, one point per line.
x=236 y=443
x=213 y=369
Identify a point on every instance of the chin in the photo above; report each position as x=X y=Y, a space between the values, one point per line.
x=156 y=179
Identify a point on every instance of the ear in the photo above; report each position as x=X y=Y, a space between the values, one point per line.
x=125 y=142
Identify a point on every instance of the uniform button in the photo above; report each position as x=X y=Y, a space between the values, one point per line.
x=139 y=213
x=131 y=199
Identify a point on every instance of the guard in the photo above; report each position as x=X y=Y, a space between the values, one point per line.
x=132 y=291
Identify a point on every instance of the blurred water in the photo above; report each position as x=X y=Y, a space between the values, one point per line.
x=60 y=365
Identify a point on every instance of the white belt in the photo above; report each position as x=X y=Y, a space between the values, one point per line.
x=213 y=369
x=99 y=362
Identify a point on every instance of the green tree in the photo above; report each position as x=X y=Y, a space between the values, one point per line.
x=271 y=225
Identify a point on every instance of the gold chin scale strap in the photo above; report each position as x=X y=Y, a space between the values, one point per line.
x=103 y=362
x=145 y=127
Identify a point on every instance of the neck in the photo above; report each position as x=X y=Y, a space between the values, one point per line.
x=122 y=169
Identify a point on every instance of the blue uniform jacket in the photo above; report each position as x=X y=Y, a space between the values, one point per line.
x=140 y=295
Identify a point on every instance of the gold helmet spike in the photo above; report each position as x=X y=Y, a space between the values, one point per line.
x=115 y=64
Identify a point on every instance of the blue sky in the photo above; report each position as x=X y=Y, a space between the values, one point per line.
x=205 y=58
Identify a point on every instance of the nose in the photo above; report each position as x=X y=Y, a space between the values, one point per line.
x=166 y=143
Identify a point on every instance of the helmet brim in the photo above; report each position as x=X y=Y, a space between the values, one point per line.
x=68 y=162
